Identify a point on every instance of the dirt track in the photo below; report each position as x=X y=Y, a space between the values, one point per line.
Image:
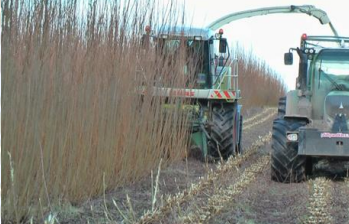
x=237 y=191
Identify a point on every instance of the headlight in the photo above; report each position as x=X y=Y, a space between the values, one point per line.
x=292 y=137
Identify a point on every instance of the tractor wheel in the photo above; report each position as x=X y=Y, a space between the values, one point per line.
x=282 y=107
x=286 y=164
x=223 y=142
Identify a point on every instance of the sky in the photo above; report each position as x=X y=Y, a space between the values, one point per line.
x=270 y=36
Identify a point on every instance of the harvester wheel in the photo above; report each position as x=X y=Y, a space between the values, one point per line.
x=282 y=107
x=286 y=165
x=223 y=143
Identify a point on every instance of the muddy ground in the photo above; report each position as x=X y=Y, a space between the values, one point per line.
x=258 y=201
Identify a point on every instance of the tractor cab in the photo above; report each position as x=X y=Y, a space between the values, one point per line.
x=328 y=68
x=323 y=78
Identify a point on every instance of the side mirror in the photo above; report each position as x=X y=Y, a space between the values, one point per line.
x=223 y=45
x=288 y=58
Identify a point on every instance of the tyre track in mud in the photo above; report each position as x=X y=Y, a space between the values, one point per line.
x=320 y=201
x=204 y=182
x=173 y=202
x=340 y=201
x=216 y=202
x=317 y=200
x=260 y=115
x=266 y=201
x=261 y=120
x=328 y=201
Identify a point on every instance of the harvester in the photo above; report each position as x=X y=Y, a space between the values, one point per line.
x=216 y=128
x=216 y=120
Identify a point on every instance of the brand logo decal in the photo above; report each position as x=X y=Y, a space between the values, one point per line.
x=334 y=135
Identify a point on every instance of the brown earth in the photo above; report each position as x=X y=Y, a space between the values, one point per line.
x=262 y=201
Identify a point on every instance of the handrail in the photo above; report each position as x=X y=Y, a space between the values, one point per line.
x=234 y=75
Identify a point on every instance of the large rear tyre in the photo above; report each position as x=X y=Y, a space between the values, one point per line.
x=286 y=165
x=223 y=142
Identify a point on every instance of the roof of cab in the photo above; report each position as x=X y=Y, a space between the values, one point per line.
x=190 y=32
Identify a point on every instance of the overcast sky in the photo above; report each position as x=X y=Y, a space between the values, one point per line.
x=271 y=36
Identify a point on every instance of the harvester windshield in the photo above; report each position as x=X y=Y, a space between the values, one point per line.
x=194 y=54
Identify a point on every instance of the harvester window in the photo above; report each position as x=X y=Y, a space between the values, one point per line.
x=191 y=54
x=197 y=62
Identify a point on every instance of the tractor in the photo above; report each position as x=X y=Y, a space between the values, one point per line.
x=312 y=122
x=216 y=127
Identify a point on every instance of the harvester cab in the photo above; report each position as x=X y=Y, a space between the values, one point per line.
x=207 y=55
x=312 y=124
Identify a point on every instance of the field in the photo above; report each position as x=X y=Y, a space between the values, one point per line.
x=79 y=144
x=236 y=191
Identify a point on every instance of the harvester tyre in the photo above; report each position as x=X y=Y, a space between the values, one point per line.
x=282 y=107
x=286 y=165
x=223 y=143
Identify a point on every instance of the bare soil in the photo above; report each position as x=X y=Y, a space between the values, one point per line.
x=263 y=201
